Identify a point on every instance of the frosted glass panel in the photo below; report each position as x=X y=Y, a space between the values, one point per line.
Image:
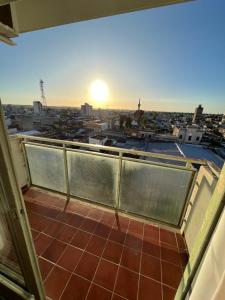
x=46 y=167
x=154 y=191
x=92 y=177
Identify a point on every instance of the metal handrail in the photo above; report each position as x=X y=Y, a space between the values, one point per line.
x=188 y=161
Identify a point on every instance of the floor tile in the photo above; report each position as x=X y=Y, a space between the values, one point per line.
x=43 y=210
x=136 y=227
x=64 y=217
x=87 y=266
x=98 y=293
x=70 y=218
x=76 y=220
x=133 y=241
x=113 y=252
x=96 y=245
x=79 y=208
x=151 y=267
x=151 y=247
x=89 y=225
x=108 y=218
x=131 y=259
x=81 y=239
x=171 y=274
x=70 y=258
x=151 y=232
x=106 y=274
x=170 y=254
x=54 y=251
x=168 y=293
x=32 y=193
x=95 y=214
x=37 y=222
x=117 y=297
x=117 y=236
x=76 y=289
x=102 y=230
x=56 y=282
x=78 y=251
x=168 y=237
x=53 y=228
x=66 y=233
x=42 y=242
x=121 y=223
x=127 y=284
x=53 y=201
x=34 y=233
x=149 y=289
x=45 y=267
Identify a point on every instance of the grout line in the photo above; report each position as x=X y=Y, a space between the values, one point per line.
x=93 y=234
x=60 y=258
x=97 y=205
x=72 y=273
x=139 y=275
x=100 y=258
x=160 y=256
x=69 y=243
x=119 y=264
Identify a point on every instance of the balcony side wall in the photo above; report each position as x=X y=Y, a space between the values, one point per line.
x=199 y=201
x=209 y=282
x=19 y=162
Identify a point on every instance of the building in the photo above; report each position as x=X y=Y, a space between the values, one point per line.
x=98 y=140
x=223 y=119
x=97 y=126
x=198 y=114
x=190 y=134
x=37 y=107
x=86 y=110
x=138 y=113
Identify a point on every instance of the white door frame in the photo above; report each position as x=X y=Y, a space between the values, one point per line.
x=16 y=216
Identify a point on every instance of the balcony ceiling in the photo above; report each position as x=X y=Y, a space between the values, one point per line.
x=33 y=15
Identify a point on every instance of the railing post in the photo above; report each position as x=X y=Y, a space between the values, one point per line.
x=118 y=180
x=22 y=143
x=66 y=173
x=189 y=165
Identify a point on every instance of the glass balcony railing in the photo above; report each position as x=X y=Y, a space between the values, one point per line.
x=145 y=184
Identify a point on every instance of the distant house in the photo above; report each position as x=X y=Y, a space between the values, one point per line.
x=191 y=134
x=98 y=140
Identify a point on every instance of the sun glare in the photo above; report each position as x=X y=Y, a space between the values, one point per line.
x=99 y=91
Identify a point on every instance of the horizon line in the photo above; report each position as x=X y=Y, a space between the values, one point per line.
x=124 y=109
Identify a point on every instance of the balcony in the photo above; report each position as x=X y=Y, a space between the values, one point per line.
x=109 y=223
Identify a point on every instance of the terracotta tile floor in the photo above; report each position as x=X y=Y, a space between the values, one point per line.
x=87 y=252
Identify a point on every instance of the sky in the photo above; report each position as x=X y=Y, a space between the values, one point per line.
x=172 y=58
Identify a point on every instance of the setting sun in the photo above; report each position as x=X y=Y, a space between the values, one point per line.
x=99 y=91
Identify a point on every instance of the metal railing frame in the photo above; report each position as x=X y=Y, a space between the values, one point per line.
x=119 y=155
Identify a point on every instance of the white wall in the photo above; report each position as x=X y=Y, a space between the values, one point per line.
x=199 y=201
x=209 y=283
x=19 y=162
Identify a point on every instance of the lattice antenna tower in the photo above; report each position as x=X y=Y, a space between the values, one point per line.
x=43 y=98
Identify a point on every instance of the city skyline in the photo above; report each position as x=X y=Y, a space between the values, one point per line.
x=171 y=57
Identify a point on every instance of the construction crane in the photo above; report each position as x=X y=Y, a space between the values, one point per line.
x=44 y=101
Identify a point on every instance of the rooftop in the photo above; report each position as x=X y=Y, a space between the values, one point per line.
x=98 y=137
